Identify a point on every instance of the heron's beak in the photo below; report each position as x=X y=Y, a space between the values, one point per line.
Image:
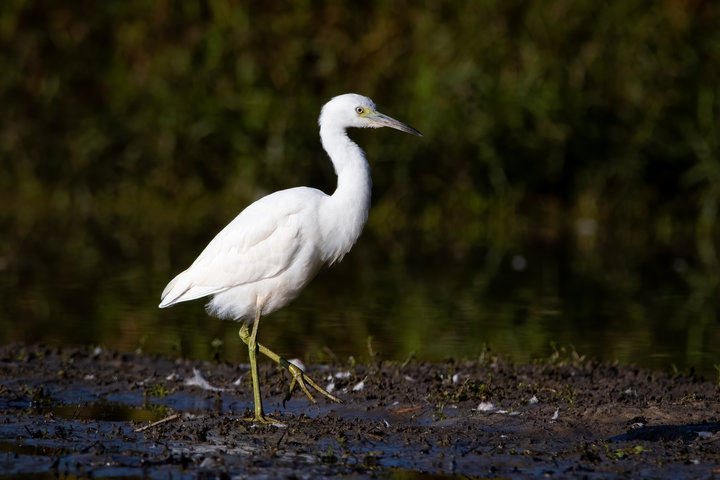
x=384 y=121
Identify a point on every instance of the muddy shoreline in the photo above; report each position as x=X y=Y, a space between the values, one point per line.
x=85 y=412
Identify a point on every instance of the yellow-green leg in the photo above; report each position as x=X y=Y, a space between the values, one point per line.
x=298 y=375
x=252 y=353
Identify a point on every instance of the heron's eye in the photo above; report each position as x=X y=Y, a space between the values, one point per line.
x=359 y=110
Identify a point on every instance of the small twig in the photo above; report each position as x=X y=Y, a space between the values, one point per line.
x=372 y=436
x=77 y=409
x=407 y=409
x=281 y=439
x=155 y=424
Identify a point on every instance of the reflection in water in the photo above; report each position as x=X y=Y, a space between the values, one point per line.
x=515 y=304
x=105 y=411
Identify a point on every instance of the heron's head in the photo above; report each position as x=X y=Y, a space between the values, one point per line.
x=353 y=110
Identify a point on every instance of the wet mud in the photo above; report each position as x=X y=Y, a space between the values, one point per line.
x=101 y=414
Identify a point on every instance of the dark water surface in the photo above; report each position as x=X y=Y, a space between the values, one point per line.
x=652 y=310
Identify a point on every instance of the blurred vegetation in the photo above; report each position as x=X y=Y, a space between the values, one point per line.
x=568 y=181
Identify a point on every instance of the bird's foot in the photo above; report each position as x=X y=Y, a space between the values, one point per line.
x=265 y=420
x=299 y=378
x=298 y=375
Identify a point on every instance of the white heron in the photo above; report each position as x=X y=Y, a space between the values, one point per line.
x=262 y=259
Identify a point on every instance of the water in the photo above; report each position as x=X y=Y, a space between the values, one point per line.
x=647 y=309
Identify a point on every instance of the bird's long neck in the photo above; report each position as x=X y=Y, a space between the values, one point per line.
x=346 y=210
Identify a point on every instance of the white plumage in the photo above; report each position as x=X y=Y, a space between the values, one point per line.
x=262 y=259
x=269 y=251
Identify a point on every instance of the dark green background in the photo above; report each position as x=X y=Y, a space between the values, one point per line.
x=566 y=189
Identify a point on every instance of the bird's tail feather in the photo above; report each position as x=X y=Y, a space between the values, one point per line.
x=181 y=290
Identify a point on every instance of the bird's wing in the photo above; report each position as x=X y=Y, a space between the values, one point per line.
x=261 y=242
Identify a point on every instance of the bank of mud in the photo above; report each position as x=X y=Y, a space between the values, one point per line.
x=96 y=413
